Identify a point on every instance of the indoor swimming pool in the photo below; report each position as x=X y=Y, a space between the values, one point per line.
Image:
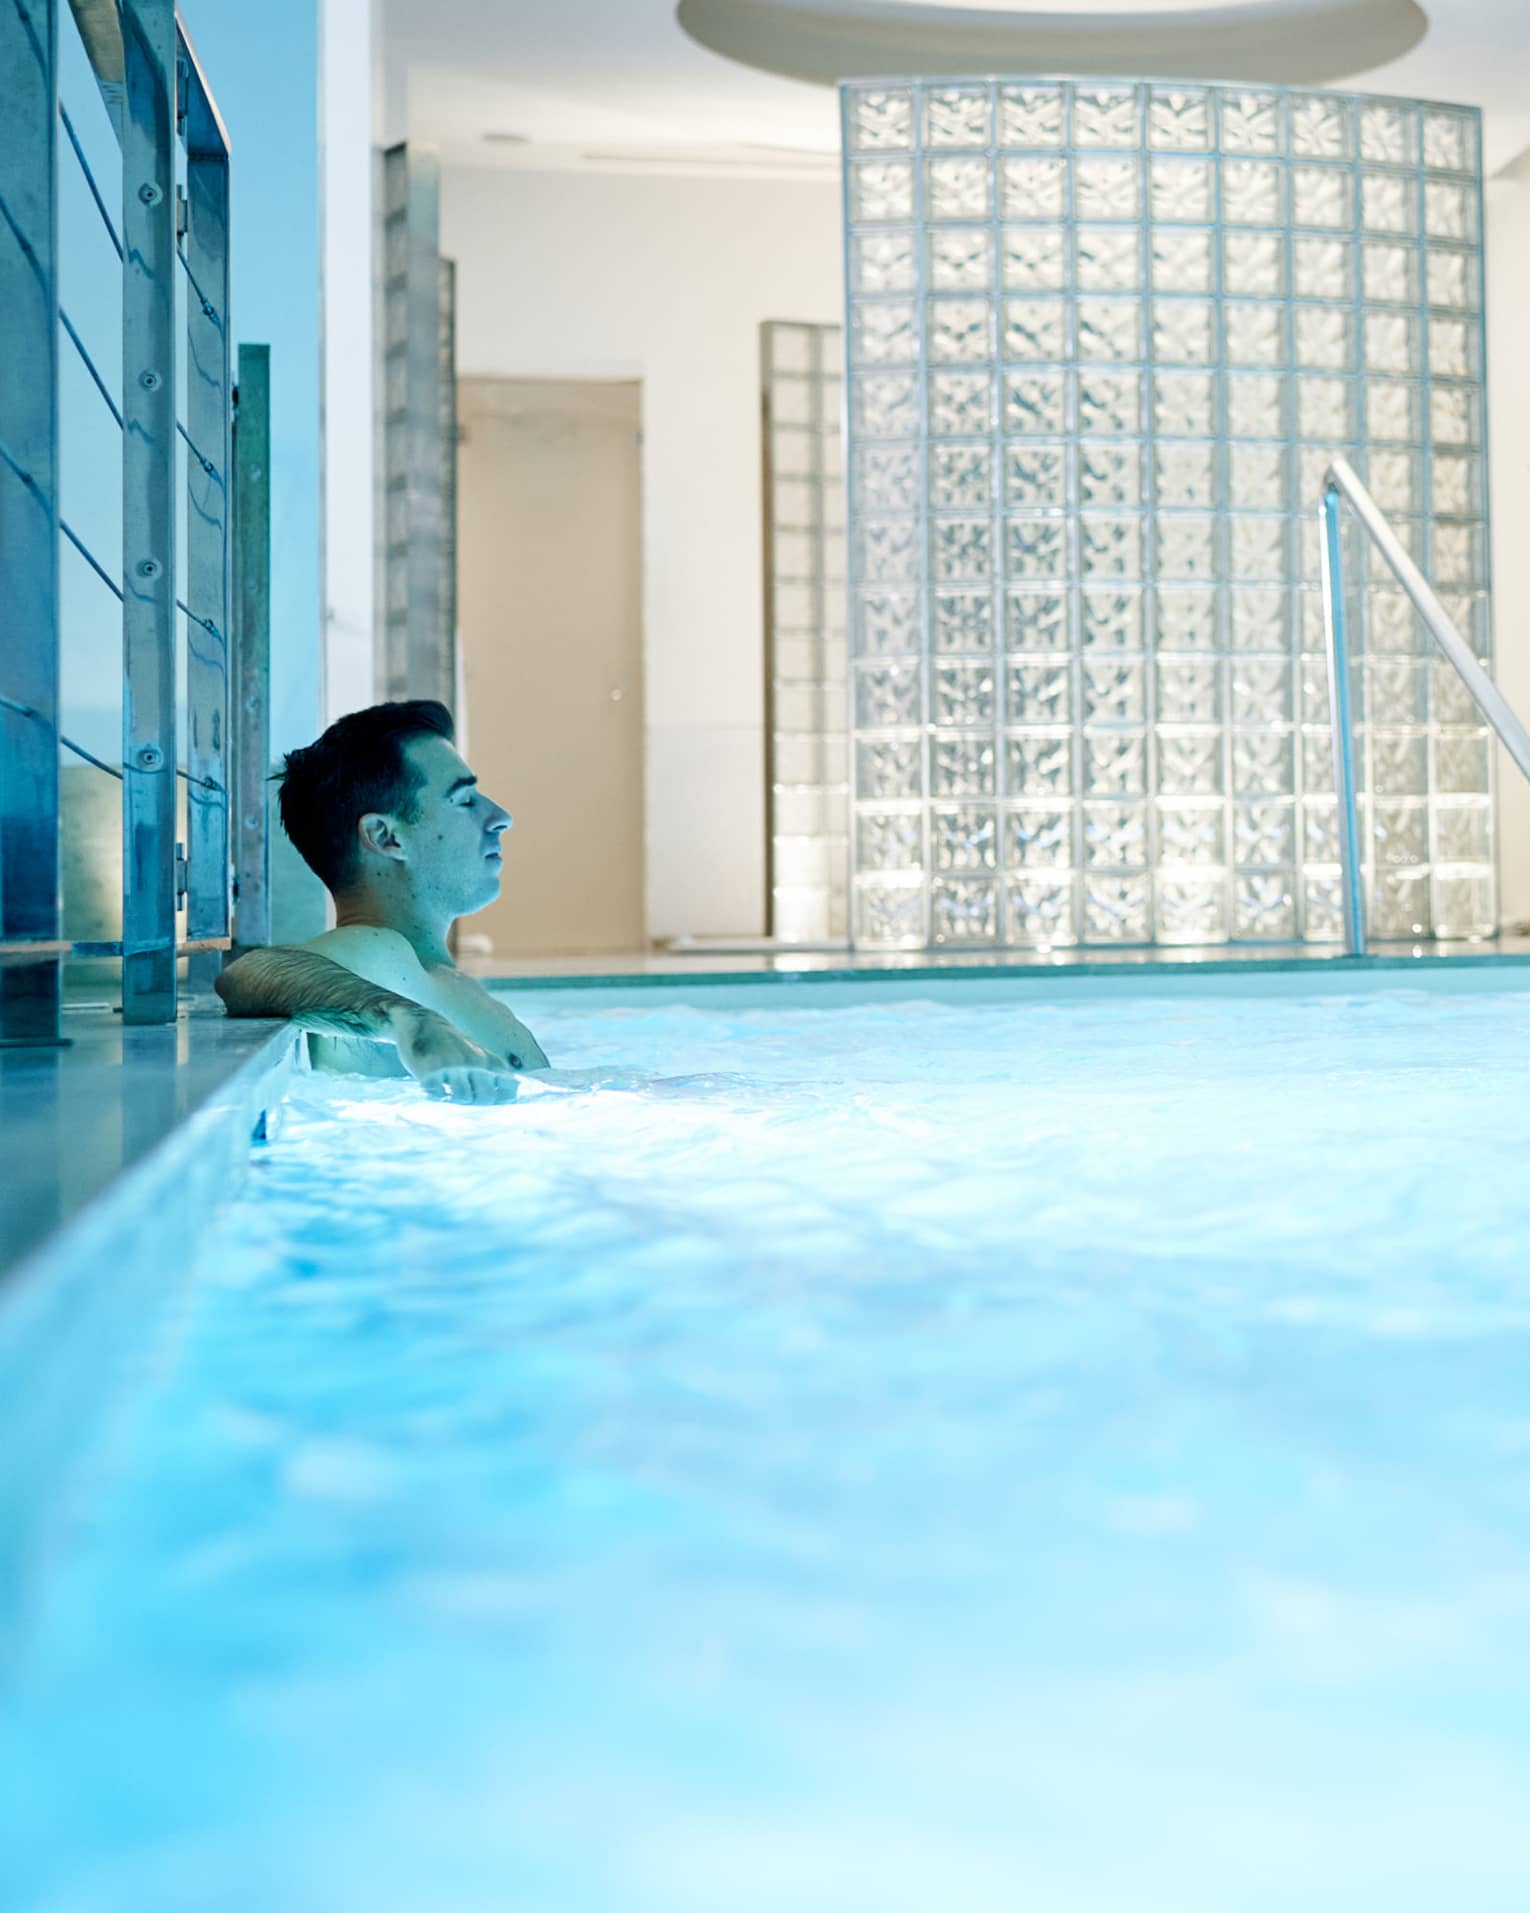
x=1016 y=1448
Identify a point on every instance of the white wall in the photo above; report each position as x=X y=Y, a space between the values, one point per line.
x=667 y=280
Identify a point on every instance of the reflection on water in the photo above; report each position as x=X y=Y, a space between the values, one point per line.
x=902 y=1458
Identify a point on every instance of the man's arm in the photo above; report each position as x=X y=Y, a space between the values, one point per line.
x=324 y=996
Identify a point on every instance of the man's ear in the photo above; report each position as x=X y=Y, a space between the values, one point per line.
x=377 y=833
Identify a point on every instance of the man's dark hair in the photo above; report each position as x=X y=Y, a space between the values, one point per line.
x=356 y=766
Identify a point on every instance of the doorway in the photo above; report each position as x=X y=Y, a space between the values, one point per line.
x=549 y=559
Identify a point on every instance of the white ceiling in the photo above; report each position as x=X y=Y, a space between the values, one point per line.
x=616 y=85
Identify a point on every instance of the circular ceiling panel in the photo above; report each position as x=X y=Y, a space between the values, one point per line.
x=1280 y=42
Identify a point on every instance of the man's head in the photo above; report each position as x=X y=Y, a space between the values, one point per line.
x=383 y=802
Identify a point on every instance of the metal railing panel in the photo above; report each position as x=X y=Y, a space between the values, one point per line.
x=251 y=630
x=149 y=42
x=29 y=449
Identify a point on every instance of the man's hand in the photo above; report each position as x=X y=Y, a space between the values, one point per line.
x=445 y=1063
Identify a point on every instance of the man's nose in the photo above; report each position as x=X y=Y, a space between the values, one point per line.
x=501 y=820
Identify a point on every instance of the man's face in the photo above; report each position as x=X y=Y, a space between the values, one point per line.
x=453 y=844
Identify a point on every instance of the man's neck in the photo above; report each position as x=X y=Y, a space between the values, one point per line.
x=426 y=936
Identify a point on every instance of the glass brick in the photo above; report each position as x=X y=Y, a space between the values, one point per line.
x=1255 y=405
x=1035 y=474
x=1191 y=909
x=889 y=840
x=1324 y=338
x=1184 y=404
x=1463 y=832
x=960 y=477
x=1260 y=690
x=1107 y=258
x=1251 y=193
x=961 y=767
x=1033 y=188
x=1038 y=837
x=961 y=259
x=1184 y=331
x=881 y=119
x=1399 y=763
x=1039 y=693
x=1114 y=690
x=1451 y=279
x=1322 y=908
x=884 y=332
x=1115 y=763
x=1400 y=831
x=1259 y=617
x=1036 y=546
x=1109 y=403
x=794 y=501
x=1321 y=196
x=792 y=402
x=961 y=548
x=1452 y=348
x=1250 y=122
x=1390 y=626
x=1264 y=833
x=887 y=769
x=1030 y=116
x=1035 y=330
x=962 y=621
x=1038 y=764
x=1186 y=547
x=1325 y=409
x=1181 y=261
x=1106 y=116
x=1034 y=402
x=881 y=190
x=1396 y=691
x=1263 y=763
x=1259 y=548
x=1393 y=480
x=1110 y=620
x=1450 y=144
x=1116 y=910
x=794 y=452
x=1186 y=618
x=1110 y=547
x=963 y=912
x=1107 y=189
x=1388 y=203
x=1399 y=904
x=1456 y=484
x=1320 y=825
x=1179 y=120
x=1461 y=761
x=1189 y=690
x=1463 y=903
x=1320 y=126
x=1115 y=836
x=887 y=478
x=1034 y=259
x=1039 y=911
x=1390 y=274
x=886 y=695
x=889 y=916
x=1256 y=332
x=959 y=331
x=1256 y=477
x=1253 y=264
x=1036 y=621
x=1457 y=555
x=960 y=402
x=882 y=262
x=1110 y=472
x=964 y=837
x=1392 y=411
x=1109 y=329
x=958 y=116
x=1180 y=190
x=961 y=694
x=1323 y=268
x=888 y=551
x=1185 y=475
x=1388 y=135
x=958 y=189
x=1391 y=342
x=1452 y=415
x=1264 y=906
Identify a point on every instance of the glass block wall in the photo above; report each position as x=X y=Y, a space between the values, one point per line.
x=807 y=780
x=1103 y=339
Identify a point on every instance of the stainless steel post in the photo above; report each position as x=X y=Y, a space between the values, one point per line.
x=148 y=511
x=252 y=649
x=30 y=986
x=1339 y=717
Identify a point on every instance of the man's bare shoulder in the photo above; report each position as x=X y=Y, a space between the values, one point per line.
x=383 y=957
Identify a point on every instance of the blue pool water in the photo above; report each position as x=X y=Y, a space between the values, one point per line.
x=894 y=1459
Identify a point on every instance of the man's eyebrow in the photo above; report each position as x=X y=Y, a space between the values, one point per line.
x=461 y=783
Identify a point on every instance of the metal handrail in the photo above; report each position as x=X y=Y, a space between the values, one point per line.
x=1340 y=483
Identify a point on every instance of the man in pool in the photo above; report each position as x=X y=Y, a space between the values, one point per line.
x=385 y=812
